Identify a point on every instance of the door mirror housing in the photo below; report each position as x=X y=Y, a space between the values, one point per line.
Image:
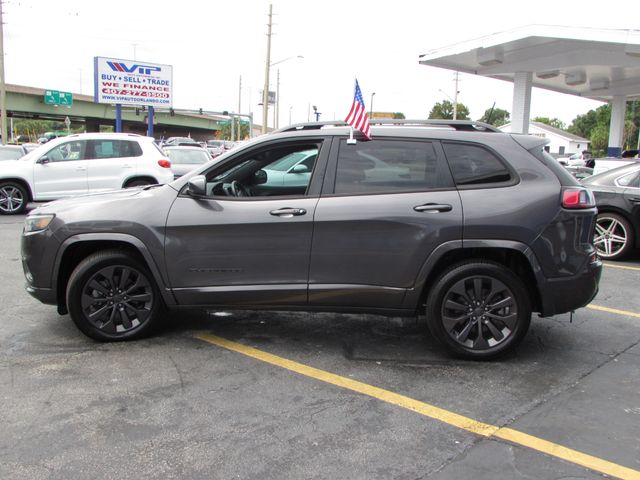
x=44 y=159
x=197 y=186
x=300 y=168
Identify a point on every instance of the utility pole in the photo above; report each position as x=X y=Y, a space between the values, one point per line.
x=267 y=64
x=455 y=97
x=3 y=87
x=277 y=123
x=239 y=108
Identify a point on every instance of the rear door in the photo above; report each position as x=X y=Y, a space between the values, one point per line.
x=386 y=205
x=111 y=162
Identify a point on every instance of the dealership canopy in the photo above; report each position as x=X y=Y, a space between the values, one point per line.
x=600 y=64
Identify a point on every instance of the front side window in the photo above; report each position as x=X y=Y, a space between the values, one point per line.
x=274 y=171
x=113 y=149
x=388 y=166
x=67 y=151
x=475 y=165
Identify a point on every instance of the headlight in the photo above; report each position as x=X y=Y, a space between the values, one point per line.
x=37 y=223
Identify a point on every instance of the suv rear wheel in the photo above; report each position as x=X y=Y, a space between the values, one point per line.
x=111 y=297
x=478 y=309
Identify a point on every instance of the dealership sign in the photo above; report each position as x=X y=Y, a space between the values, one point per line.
x=132 y=82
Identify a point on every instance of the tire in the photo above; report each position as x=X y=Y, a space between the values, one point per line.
x=478 y=310
x=138 y=183
x=118 y=292
x=13 y=198
x=614 y=236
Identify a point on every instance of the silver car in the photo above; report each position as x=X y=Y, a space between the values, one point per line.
x=185 y=159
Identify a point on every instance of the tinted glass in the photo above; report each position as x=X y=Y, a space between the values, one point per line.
x=114 y=149
x=629 y=180
x=474 y=165
x=382 y=166
x=66 y=152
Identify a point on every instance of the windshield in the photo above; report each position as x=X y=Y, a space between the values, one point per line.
x=187 y=156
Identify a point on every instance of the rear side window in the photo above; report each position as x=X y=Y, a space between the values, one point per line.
x=475 y=165
x=113 y=149
x=388 y=166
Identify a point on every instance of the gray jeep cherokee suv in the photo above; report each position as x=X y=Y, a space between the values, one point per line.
x=474 y=228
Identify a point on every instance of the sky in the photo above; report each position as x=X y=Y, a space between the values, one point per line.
x=212 y=44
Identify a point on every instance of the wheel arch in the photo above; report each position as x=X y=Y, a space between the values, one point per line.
x=514 y=255
x=135 y=178
x=79 y=247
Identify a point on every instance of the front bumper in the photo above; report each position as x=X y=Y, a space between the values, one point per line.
x=566 y=294
x=45 y=295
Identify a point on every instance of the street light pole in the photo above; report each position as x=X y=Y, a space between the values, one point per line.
x=371 y=106
x=267 y=64
x=3 y=87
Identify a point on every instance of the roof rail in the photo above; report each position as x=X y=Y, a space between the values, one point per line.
x=460 y=125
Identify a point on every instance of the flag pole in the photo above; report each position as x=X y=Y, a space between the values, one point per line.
x=351 y=140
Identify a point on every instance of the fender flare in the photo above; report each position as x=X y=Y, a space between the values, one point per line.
x=413 y=295
x=135 y=242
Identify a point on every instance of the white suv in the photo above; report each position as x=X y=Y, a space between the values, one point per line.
x=80 y=164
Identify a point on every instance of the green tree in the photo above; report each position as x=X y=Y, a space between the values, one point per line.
x=552 y=122
x=498 y=118
x=399 y=115
x=225 y=131
x=444 y=111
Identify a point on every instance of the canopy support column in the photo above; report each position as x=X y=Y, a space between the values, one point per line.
x=616 y=127
x=521 y=102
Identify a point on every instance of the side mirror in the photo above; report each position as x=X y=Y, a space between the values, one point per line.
x=260 y=177
x=197 y=186
x=300 y=168
x=44 y=159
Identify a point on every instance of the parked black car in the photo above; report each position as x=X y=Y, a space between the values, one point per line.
x=472 y=227
x=617 y=193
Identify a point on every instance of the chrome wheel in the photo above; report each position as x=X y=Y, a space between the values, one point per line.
x=612 y=236
x=479 y=312
x=117 y=299
x=12 y=199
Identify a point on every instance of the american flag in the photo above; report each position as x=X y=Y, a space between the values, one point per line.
x=358 y=117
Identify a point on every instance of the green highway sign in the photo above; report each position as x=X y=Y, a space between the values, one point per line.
x=55 y=97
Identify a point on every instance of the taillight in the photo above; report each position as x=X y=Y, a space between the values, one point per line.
x=577 y=197
x=164 y=163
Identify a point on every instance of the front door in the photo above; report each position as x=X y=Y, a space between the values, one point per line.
x=386 y=205
x=247 y=242
x=61 y=172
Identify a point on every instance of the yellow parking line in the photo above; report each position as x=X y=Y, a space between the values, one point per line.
x=613 y=310
x=623 y=267
x=431 y=411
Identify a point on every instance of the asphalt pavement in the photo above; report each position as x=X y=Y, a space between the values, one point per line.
x=273 y=395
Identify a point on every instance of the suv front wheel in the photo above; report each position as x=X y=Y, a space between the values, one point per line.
x=112 y=297
x=478 y=309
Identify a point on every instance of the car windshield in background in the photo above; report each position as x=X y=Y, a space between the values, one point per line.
x=180 y=157
x=11 y=153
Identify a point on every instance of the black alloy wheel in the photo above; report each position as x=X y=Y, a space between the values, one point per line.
x=112 y=297
x=479 y=309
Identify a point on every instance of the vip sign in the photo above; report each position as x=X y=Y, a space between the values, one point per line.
x=132 y=82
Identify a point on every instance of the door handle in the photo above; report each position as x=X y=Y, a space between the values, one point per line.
x=126 y=165
x=288 y=212
x=81 y=169
x=433 y=207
